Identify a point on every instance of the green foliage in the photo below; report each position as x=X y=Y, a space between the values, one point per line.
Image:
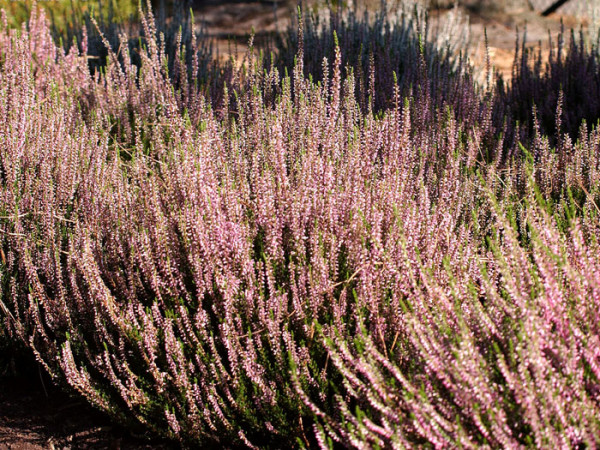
x=67 y=15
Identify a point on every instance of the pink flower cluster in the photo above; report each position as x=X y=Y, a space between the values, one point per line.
x=276 y=264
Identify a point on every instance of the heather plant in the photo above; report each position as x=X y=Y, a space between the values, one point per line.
x=180 y=39
x=568 y=80
x=477 y=368
x=398 y=40
x=95 y=29
x=292 y=268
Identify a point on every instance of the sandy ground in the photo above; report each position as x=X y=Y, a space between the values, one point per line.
x=502 y=34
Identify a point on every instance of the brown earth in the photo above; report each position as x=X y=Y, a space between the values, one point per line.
x=502 y=31
x=33 y=414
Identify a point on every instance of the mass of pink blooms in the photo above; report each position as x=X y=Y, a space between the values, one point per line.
x=278 y=256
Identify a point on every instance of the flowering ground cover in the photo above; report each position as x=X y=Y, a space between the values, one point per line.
x=334 y=246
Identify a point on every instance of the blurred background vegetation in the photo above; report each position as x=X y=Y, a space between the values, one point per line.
x=66 y=14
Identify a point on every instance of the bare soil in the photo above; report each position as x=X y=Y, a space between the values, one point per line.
x=502 y=31
x=34 y=415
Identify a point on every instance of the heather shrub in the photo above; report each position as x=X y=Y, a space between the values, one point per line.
x=568 y=81
x=173 y=29
x=292 y=268
x=397 y=41
x=476 y=359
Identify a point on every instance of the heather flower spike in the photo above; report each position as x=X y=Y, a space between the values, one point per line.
x=237 y=257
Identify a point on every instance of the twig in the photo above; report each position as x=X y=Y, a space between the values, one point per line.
x=383 y=343
x=12 y=234
x=42 y=380
x=395 y=340
x=262 y=330
x=339 y=283
x=553 y=7
x=589 y=196
x=6 y=311
x=16 y=216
